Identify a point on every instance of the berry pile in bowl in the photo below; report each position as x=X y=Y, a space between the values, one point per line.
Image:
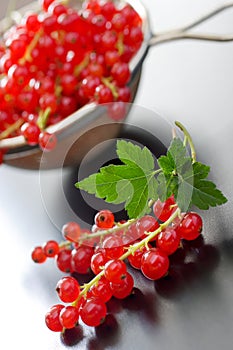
x=58 y=63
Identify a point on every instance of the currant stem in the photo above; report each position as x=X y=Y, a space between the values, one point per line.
x=27 y=56
x=13 y=127
x=43 y=118
x=189 y=139
x=114 y=229
x=111 y=86
x=87 y=286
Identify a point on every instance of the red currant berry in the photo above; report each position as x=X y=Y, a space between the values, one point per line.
x=102 y=290
x=118 y=22
x=146 y=224
x=38 y=255
x=51 y=248
x=115 y=270
x=69 y=317
x=163 y=210
x=168 y=240
x=81 y=259
x=124 y=94
x=191 y=226
x=103 y=94
x=113 y=246
x=31 y=133
x=93 y=312
x=104 y=219
x=46 y=3
x=48 y=100
x=117 y=110
x=123 y=289
x=89 y=85
x=120 y=73
x=71 y=231
x=108 y=9
x=47 y=141
x=68 y=83
x=52 y=318
x=63 y=260
x=68 y=289
x=32 y=23
x=154 y=264
x=98 y=261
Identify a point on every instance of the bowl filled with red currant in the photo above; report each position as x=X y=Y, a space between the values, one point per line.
x=68 y=69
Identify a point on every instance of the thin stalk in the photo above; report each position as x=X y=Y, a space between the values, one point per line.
x=102 y=233
x=43 y=118
x=13 y=127
x=189 y=139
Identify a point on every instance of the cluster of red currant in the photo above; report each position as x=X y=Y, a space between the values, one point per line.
x=57 y=60
x=145 y=244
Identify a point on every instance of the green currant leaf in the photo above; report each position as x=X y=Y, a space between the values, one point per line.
x=88 y=184
x=175 y=158
x=186 y=180
x=201 y=170
x=129 y=153
x=205 y=194
x=132 y=183
x=177 y=170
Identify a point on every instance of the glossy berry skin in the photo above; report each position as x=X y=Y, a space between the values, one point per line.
x=31 y=133
x=102 y=290
x=120 y=73
x=38 y=255
x=69 y=316
x=155 y=264
x=68 y=289
x=113 y=246
x=81 y=259
x=191 y=226
x=123 y=289
x=52 y=318
x=71 y=231
x=115 y=270
x=168 y=240
x=47 y=141
x=98 y=260
x=51 y=248
x=93 y=312
x=146 y=224
x=104 y=219
x=163 y=210
x=117 y=110
x=63 y=260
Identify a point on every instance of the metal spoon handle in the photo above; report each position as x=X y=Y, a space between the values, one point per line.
x=185 y=33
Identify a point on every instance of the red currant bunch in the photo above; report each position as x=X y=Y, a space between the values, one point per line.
x=146 y=244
